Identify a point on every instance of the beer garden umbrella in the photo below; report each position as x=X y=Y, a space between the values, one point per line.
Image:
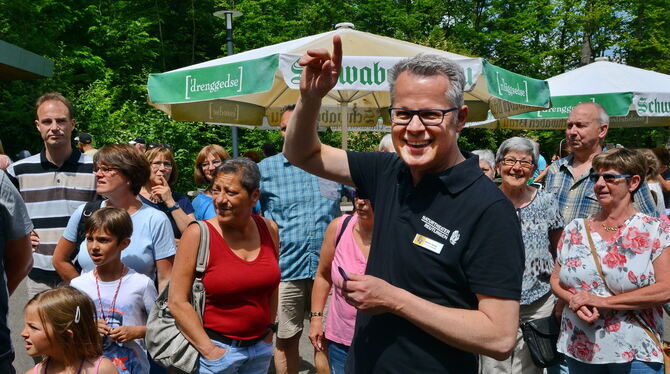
x=633 y=97
x=249 y=88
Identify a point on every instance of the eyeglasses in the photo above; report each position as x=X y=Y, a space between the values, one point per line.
x=429 y=117
x=608 y=177
x=104 y=170
x=523 y=163
x=157 y=164
x=214 y=163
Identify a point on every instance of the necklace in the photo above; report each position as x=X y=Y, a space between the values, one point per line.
x=611 y=228
x=107 y=318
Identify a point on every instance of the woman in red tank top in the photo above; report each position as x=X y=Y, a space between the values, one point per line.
x=241 y=278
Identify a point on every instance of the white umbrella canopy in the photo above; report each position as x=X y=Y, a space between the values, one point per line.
x=251 y=86
x=633 y=97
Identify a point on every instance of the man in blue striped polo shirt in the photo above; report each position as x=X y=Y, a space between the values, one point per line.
x=53 y=183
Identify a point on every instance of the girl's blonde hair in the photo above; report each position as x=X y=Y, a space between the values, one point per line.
x=72 y=319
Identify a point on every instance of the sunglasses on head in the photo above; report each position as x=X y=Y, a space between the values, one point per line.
x=608 y=177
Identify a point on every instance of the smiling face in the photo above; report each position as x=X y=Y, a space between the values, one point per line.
x=426 y=149
x=104 y=248
x=54 y=123
x=231 y=200
x=516 y=175
x=35 y=333
x=618 y=191
x=209 y=165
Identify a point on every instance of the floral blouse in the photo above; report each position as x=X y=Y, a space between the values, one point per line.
x=538 y=218
x=626 y=259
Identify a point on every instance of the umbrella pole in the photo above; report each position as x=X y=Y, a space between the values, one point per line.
x=345 y=124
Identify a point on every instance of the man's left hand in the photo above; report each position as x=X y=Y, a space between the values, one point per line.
x=369 y=294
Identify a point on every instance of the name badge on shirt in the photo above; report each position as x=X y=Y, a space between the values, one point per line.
x=428 y=243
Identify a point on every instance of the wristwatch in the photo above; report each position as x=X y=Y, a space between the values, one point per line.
x=315 y=314
x=174 y=207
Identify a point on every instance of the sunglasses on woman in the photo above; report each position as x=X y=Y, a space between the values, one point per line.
x=608 y=177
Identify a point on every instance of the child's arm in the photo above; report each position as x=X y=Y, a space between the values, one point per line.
x=123 y=334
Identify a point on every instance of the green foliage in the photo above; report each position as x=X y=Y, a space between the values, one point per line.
x=103 y=52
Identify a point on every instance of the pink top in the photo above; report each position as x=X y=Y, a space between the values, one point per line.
x=342 y=316
x=38 y=367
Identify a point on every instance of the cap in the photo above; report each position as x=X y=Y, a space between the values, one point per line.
x=84 y=138
x=137 y=140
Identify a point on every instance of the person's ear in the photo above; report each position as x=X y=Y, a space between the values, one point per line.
x=124 y=243
x=634 y=183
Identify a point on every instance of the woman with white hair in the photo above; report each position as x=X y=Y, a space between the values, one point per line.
x=486 y=162
x=541 y=228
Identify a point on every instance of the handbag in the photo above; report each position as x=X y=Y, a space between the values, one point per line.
x=664 y=348
x=541 y=337
x=165 y=342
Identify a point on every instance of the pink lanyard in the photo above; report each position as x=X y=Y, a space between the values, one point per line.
x=113 y=303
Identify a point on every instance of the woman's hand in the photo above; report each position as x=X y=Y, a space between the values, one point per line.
x=214 y=353
x=588 y=314
x=163 y=192
x=583 y=298
x=316 y=334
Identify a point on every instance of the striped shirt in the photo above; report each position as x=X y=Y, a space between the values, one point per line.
x=52 y=194
x=576 y=198
x=302 y=205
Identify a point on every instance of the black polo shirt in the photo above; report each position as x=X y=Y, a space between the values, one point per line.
x=446 y=239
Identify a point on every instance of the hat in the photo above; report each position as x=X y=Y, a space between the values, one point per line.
x=84 y=138
x=137 y=140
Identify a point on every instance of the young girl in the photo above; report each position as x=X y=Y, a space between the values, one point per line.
x=60 y=325
x=123 y=297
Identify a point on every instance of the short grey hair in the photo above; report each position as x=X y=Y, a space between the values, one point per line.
x=427 y=65
x=520 y=144
x=386 y=144
x=248 y=170
x=487 y=156
x=603 y=117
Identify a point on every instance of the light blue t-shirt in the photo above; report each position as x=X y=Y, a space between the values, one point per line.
x=152 y=240
x=203 y=207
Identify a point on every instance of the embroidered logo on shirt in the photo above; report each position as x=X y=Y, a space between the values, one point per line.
x=435 y=227
x=454 y=237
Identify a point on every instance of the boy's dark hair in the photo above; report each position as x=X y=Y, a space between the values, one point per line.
x=114 y=221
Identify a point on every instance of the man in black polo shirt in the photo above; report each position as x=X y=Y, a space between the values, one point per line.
x=443 y=279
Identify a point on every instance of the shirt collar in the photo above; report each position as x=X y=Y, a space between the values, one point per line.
x=72 y=160
x=455 y=179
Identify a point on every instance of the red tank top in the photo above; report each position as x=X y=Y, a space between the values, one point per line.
x=238 y=292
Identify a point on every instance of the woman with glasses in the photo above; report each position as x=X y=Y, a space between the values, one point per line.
x=346 y=246
x=541 y=227
x=158 y=194
x=206 y=162
x=120 y=172
x=613 y=273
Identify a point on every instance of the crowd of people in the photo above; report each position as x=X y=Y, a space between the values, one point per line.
x=445 y=254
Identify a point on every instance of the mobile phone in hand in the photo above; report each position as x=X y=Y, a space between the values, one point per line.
x=342 y=273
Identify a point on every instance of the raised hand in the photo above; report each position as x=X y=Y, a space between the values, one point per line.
x=321 y=70
x=163 y=192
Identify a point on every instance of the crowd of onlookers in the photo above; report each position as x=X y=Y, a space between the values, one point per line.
x=436 y=270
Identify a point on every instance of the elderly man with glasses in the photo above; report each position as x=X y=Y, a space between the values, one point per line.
x=443 y=279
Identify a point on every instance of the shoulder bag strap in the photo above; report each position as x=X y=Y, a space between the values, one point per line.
x=596 y=259
x=344 y=226
x=203 y=249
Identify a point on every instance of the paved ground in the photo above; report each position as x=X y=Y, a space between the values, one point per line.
x=23 y=362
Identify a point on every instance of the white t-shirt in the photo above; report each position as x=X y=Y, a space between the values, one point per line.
x=133 y=303
x=152 y=240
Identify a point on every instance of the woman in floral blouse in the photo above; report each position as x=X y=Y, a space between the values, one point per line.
x=607 y=325
x=541 y=227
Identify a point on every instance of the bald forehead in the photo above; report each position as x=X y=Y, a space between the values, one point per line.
x=585 y=113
